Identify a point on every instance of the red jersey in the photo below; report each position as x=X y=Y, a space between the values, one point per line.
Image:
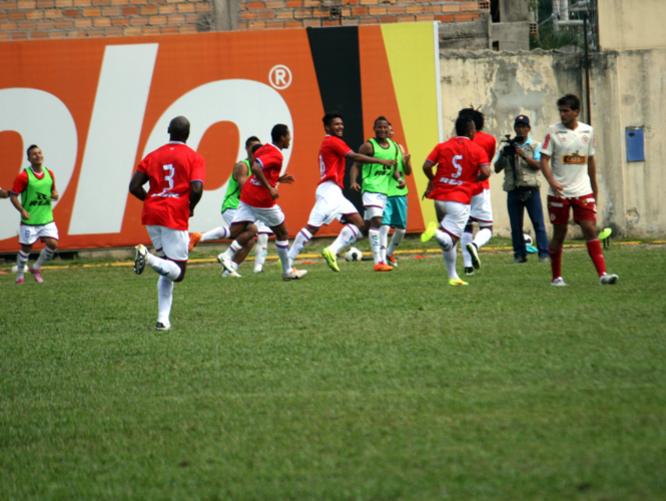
x=488 y=143
x=253 y=193
x=332 y=160
x=171 y=169
x=458 y=163
x=21 y=181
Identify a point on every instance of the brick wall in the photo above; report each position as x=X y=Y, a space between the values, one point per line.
x=39 y=19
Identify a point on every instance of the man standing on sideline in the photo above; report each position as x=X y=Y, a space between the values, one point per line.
x=239 y=175
x=36 y=185
x=520 y=163
x=481 y=209
x=330 y=201
x=395 y=212
x=567 y=162
x=257 y=203
x=176 y=174
x=375 y=178
x=461 y=164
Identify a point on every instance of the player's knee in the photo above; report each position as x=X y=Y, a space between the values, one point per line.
x=181 y=275
x=469 y=228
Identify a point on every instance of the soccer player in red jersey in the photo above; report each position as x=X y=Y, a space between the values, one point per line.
x=330 y=202
x=176 y=174
x=461 y=164
x=567 y=163
x=257 y=203
x=481 y=210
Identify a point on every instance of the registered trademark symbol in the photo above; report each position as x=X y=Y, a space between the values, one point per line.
x=280 y=76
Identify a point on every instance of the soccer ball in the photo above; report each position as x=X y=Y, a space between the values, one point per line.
x=353 y=254
x=527 y=238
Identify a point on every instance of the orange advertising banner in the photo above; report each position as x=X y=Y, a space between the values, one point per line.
x=96 y=107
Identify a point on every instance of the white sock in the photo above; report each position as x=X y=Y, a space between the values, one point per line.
x=21 y=261
x=467 y=238
x=231 y=250
x=450 y=261
x=444 y=239
x=260 y=251
x=483 y=237
x=215 y=234
x=162 y=266
x=383 y=241
x=375 y=244
x=282 y=248
x=44 y=256
x=164 y=299
x=398 y=235
x=347 y=236
x=299 y=242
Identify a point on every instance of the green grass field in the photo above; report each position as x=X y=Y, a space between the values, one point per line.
x=352 y=385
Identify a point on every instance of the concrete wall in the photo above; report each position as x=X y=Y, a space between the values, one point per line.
x=631 y=24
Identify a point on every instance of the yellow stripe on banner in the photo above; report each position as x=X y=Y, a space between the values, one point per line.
x=412 y=57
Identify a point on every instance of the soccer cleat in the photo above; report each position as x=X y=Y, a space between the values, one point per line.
x=37 y=275
x=558 y=282
x=140 y=255
x=231 y=274
x=294 y=274
x=382 y=267
x=474 y=254
x=226 y=263
x=162 y=327
x=469 y=271
x=429 y=232
x=20 y=280
x=608 y=279
x=258 y=269
x=330 y=258
x=456 y=282
x=392 y=261
x=194 y=240
x=520 y=259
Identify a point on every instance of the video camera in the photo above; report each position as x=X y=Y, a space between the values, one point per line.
x=511 y=144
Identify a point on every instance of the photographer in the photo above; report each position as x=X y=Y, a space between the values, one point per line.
x=520 y=161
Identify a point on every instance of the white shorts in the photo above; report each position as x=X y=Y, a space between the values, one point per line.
x=270 y=216
x=330 y=204
x=228 y=218
x=29 y=234
x=481 y=208
x=173 y=243
x=455 y=216
x=374 y=204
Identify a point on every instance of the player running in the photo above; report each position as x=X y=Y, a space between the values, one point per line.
x=375 y=179
x=176 y=174
x=567 y=163
x=461 y=164
x=330 y=202
x=257 y=203
x=36 y=185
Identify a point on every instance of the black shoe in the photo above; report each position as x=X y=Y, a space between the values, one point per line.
x=520 y=259
x=469 y=271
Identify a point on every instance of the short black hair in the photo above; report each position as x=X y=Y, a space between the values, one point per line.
x=463 y=124
x=255 y=147
x=380 y=118
x=30 y=148
x=569 y=100
x=250 y=140
x=278 y=131
x=179 y=129
x=328 y=118
x=475 y=115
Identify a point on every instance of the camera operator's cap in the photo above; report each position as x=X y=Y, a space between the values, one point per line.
x=522 y=120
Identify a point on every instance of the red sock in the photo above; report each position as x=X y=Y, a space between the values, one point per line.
x=597 y=255
x=555 y=261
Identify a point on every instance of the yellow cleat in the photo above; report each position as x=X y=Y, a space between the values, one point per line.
x=331 y=259
x=429 y=232
x=456 y=282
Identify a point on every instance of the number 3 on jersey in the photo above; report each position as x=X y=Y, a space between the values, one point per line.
x=458 y=167
x=169 y=172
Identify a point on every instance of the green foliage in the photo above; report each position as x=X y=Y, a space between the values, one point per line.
x=350 y=385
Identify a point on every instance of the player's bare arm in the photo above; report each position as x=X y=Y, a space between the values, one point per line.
x=592 y=172
x=54 y=194
x=196 y=190
x=13 y=197
x=136 y=185
x=427 y=170
x=406 y=161
x=484 y=172
x=548 y=174
x=286 y=179
x=364 y=152
x=240 y=173
x=364 y=159
x=259 y=175
x=4 y=193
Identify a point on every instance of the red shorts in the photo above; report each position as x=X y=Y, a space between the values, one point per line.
x=584 y=209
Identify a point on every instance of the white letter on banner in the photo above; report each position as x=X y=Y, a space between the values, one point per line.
x=115 y=126
x=39 y=118
x=252 y=106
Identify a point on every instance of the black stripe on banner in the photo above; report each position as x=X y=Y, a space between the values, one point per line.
x=336 y=59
